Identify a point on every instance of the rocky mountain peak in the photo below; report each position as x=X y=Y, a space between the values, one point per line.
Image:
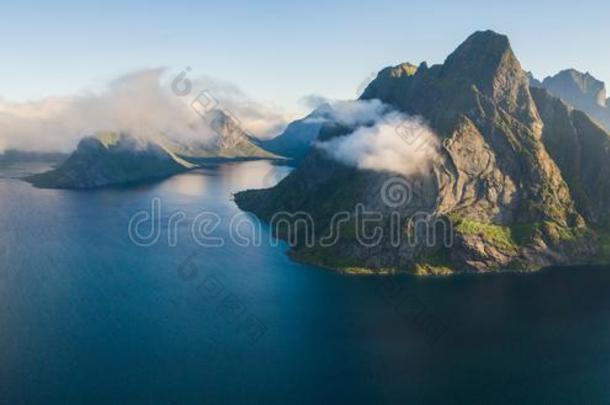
x=582 y=88
x=407 y=69
x=480 y=56
x=117 y=141
x=483 y=70
x=492 y=172
x=486 y=60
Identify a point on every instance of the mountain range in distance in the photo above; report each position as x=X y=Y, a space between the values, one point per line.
x=114 y=158
x=296 y=140
x=117 y=158
x=89 y=167
x=580 y=90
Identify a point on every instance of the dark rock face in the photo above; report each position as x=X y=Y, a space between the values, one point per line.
x=494 y=182
x=480 y=97
x=581 y=149
x=391 y=82
x=111 y=159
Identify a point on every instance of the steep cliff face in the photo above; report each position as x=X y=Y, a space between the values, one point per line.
x=492 y=182
x=479 y=103
x=581 y=149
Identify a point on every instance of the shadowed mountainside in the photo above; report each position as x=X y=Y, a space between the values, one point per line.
x=515 y=195
x=118 y=158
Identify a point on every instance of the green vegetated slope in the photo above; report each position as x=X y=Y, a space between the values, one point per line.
x=520 y=178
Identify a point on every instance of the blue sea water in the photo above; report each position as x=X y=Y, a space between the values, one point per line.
x=87 y=316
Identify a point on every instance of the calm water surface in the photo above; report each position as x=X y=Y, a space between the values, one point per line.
x=88 y=317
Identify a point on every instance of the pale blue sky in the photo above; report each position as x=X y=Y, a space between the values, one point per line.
x=279 y=51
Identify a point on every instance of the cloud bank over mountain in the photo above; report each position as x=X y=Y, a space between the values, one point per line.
x=141 y=103
x=383 y=140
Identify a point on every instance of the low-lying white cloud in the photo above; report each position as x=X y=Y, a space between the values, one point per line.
x=355 y=113
x=141 y=103
x=349 y=113
x=394 y=142
x=263 y=120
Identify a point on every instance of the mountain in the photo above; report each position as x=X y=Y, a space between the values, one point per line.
x=119 y=158
x=503 y=184
x=580 y=90
x=231 y=143
x=581 y=149
x=298 y=136
x=112 y=158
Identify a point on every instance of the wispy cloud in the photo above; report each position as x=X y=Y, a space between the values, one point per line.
x=140 y=103
x=384 y=140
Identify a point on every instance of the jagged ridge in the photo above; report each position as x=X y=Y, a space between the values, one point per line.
x=496 y=182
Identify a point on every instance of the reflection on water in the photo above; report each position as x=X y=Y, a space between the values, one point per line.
x=253 y=175
x=191 y=184
x=86 y=316
x=225 y=179
x=22 y=169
